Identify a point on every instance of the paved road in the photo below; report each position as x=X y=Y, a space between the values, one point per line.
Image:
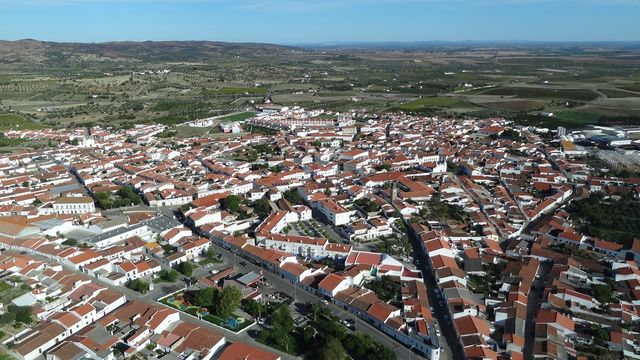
x=451 y=347
x=534 y=300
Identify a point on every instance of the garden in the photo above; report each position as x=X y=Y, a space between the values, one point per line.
x=187 y=302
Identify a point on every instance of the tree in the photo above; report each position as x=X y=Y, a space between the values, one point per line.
x=332 y=350
x=602 y=293
x=204 y=297
x=22 y=313
x=211 y=254
x=231 y=203
x=262 y=207
x=254 y=308
x=7 y=318
x=168 y=275
x=70 y=242
x=362 y=346
x=228 y=301
x=138 y=285
x=600 y=335
x=293 y=196
x=185 y=268
x=283 y=326
x=385 y=287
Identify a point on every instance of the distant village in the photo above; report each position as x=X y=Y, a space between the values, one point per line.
x=447 y=237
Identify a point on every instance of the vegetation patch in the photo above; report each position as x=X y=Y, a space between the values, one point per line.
x=608 y=219
x=544 y=93
x=237 y=91
x=578 y=117
x=212 y=305
x=16 y=122
x=434 y=102
x=125 y=196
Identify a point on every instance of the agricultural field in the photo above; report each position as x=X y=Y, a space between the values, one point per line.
x=16 y=122
x=543 y=93
x=434 y=102
x=171 y=83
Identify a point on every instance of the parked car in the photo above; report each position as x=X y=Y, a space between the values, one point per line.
x=348 y=325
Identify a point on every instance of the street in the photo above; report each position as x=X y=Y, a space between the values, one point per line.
x=451 y=347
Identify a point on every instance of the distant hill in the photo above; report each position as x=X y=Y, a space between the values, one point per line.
x=34 y=51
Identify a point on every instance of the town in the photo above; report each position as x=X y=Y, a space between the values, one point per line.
x=321 y=234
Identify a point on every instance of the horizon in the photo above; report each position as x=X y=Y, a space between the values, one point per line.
x=289 y=22
x=352 y=43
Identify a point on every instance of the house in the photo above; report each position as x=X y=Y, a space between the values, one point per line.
x=334 y=212
x=240 y=351
x=73 y=205
x=333 y=284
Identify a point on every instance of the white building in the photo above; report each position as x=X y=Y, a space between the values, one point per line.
x=74 y=205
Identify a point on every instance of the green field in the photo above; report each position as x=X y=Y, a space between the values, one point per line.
x=434 y=102
x=15 y=122
x=578 y=117
x=533 y=92
x=5 y=141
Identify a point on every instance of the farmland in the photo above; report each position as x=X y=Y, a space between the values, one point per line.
x=171 y=83
x=434 y=102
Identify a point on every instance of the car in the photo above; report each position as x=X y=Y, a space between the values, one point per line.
x=324 y=302
x=243 y=263
x=348 y=324
x=438 y=332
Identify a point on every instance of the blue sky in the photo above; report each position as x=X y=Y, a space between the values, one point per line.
x=312 y=21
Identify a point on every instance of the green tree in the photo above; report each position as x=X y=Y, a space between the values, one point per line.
x=602 y=293
x=7 y=318
x=385 y=287
x=168 y=275
x=254 y=308
x=211 y=254
x=228 y=301
x=600 y=335
x=204 y=297
x=262 y=207
x=138 y=285
x=283 y=327
x=185 y=268
x=231 y=203
x=332 y=350
x=293 y=196
x=70 y=242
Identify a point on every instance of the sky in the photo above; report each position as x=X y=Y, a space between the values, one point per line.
x=320 y=21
